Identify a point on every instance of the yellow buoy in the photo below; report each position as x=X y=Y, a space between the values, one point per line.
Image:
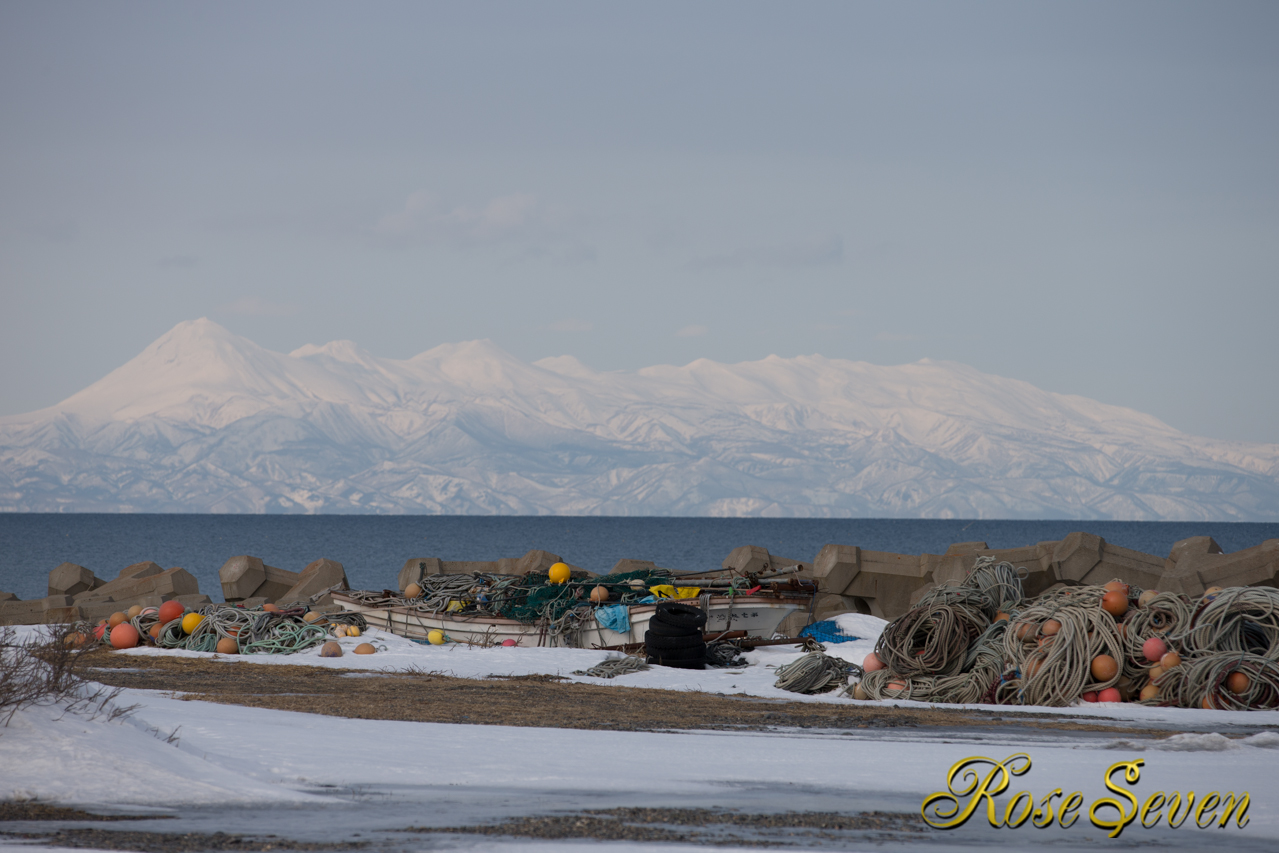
x=339 y=630
x=352 y=631
x=454 y=606
x=435 y=638
x=559 y=573
x=190 y=622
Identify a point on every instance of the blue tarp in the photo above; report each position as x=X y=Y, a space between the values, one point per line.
x=827 y=632
x=615 y=618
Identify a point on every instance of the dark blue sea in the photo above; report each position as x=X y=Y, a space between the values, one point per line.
x=373 y=548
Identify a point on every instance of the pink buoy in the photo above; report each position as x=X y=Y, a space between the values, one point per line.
x=1154 y=649
x=1110 y=694
x=509 y=643
x=1090 y=696
x=872 y=663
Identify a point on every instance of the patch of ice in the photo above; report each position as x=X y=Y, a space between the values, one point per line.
x=1195 y=742
x=51 y=756
x=1265 y=740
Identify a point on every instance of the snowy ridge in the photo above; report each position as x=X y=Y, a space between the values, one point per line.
x=206 y=421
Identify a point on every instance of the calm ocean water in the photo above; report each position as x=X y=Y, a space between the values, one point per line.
x=373 y=548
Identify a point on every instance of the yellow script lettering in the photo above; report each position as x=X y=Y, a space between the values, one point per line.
x=1174 y=803
x=1132 y=773
x=1208 y=802
x=963 y=780
x=1044 y=814
x=1154 y=803
x=1072 y=804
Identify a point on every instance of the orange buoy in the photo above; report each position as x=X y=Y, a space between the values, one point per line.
x=1154 y=649
x=311 y=616
x=117 y=618
x=364 y=649
x=171 y=610
x=1148 y=692
x=228 y=646
x=1146 y=597
x=413 y=590
x=124 y=636
x=270 y=608
x=1033 y=665
x=872 y=663
x=133 y=611
x=599 y=595
x=1238 y=682
x=75 y=640
x=1115 y=603
x=1001 y=616
x=1050 y=627
x=331 y=650
x=1155 y=672
x=1104 y=668
x=1025 y=629
x=899 y=686
x=155 y=631
x=1116 y=586
x=1172 y=660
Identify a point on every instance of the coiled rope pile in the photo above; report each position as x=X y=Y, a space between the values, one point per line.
x=1220 y=650
x=948 y=648
x=1241 y=619
x=613 y=667
x=816 y=672
x=1053 y=643
x=278 y=632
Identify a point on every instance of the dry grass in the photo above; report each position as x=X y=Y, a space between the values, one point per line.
x=538 y=701
x=47 y=669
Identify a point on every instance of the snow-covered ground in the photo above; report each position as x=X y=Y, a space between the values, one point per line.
x=229 y=768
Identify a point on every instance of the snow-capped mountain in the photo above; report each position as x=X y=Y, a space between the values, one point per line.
x=206 y=421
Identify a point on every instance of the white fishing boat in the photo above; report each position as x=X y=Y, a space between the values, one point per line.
x=754 y=615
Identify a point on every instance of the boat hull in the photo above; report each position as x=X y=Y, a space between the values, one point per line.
x=756 y=616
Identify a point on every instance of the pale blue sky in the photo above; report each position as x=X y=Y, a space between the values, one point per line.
x=1081 y=195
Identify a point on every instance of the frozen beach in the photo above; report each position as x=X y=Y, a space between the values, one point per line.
x=209 y=768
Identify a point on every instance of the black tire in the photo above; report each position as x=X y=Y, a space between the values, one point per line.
x=658 y=643
x=680 y=616
x=675 y=664
x=664 y=629
x=661 y=629
x=678 y=654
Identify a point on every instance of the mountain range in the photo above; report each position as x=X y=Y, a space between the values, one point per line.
x=204 y=420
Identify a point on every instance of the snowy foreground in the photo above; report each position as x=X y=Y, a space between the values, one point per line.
x=234 y=769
